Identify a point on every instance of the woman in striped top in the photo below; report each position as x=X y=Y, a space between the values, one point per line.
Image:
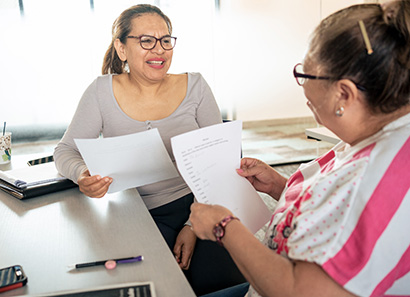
x=341 y=224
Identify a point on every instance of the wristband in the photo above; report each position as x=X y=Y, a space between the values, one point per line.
x=219 y=229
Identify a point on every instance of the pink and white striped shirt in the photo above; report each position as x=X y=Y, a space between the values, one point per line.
x=349 y=212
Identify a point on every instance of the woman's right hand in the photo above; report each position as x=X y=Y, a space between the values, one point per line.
x=263 y=177
x=93 y=186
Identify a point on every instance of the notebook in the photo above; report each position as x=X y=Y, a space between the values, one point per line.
x=33 y=181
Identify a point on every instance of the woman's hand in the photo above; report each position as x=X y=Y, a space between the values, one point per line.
x=263 y=177
x=93 y=186
x=184 y=247
x=204 y=217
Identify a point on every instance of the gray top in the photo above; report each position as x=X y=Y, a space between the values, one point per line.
x=99 y=113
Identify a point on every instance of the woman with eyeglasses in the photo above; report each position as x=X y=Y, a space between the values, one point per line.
x=341 y=223
x=136 y=93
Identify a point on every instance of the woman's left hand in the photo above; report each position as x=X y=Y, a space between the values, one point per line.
x=204 y=217
x=184 y=247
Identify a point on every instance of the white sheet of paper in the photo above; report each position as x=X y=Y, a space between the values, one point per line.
x=207 y=159
x=131 y=160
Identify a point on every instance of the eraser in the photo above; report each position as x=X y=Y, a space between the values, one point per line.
x=111 y=264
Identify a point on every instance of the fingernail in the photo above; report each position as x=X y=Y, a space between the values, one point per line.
x=239 y=170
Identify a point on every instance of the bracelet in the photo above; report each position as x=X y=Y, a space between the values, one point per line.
x=219 y=229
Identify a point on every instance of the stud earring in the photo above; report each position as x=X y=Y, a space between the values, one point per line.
x=340 y=111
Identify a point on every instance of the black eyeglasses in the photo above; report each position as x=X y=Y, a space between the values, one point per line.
x=148 y=42
x=301 y=77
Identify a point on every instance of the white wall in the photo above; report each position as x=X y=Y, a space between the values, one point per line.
x=246 y=51
x=257 y=45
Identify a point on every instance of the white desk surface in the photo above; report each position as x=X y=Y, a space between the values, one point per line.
x=322 y=133
x=47 y=233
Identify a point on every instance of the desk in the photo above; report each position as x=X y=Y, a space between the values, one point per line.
x=322 y=133
x=47 y=233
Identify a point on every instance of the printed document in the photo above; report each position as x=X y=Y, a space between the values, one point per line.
x=207 y=159
x=131 y=160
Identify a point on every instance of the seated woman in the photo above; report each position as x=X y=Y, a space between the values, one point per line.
x=134 y=94
x=339 y=228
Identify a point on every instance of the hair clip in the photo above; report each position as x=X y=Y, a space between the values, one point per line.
x=366 y=38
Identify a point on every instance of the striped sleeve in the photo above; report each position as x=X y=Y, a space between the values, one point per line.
x=376 y=253
x=353 y=220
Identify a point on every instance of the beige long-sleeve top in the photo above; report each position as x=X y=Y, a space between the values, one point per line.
x=98 y=113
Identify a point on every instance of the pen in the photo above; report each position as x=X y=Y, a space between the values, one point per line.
x=109 y=264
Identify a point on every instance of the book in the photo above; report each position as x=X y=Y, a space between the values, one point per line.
x=140 y=289
x=33 y=181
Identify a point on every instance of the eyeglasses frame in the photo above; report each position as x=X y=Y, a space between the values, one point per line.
x=308 y=76
x=303 y=75
x=156 y=41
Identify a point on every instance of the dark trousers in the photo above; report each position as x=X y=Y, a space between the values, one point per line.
x=212 y=268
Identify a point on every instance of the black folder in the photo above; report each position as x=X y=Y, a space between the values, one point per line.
x=33 y=181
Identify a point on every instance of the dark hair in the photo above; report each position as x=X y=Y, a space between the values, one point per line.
x=338 y=46
x=121 y=28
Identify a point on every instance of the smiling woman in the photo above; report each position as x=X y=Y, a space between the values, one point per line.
x=50 y=59
x=135 y=94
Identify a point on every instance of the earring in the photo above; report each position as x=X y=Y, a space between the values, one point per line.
x=340 y=111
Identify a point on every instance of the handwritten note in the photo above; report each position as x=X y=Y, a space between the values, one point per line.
x=207 y=160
